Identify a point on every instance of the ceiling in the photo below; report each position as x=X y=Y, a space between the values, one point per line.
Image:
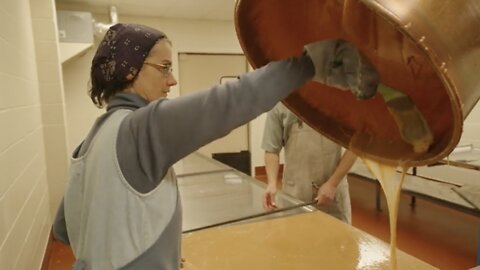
x=185 y=9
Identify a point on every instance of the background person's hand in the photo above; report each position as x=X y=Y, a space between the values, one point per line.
x=269 y=198
x=339 y=64
x=326 y=194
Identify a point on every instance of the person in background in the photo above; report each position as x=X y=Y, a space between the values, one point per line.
x=122 y=209
x=315 y=168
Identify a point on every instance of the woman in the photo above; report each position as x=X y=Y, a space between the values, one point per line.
x=122 y=208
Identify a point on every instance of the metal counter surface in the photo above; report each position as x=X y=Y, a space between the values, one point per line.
x=435 y=183
x=210 y=197
x=466 y=156
x=197 y=163
x=451 y=174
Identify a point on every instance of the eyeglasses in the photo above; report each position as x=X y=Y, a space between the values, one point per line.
x=165 y=69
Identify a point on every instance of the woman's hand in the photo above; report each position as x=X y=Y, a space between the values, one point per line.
x=341 y=65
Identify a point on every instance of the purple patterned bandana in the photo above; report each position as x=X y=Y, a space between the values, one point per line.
x=122 y=51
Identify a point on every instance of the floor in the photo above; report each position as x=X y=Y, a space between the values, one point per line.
x=443 y=237
x=440 y=236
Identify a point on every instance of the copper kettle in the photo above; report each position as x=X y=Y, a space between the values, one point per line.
x=429 y=49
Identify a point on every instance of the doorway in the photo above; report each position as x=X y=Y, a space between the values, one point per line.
x=201 y=71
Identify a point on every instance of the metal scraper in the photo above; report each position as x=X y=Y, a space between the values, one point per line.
x=251 y=216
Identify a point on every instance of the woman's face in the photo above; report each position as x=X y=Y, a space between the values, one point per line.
x=155 y=77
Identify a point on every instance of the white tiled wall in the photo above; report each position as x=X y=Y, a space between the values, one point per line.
x=32 y=137
x=51 y=98
x=24 y=196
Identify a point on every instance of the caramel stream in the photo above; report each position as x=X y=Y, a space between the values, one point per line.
x=391 y=185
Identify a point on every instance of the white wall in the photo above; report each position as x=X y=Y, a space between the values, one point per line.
x=52 y=98
x=24 y=190
x=81 y=113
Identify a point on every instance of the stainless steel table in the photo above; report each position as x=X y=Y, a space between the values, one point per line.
x=196 y=163
x=465 y=156
x=213 y=193
x=432 y=183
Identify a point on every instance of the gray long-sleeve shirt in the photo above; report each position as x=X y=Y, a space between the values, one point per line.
x=157 y=134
